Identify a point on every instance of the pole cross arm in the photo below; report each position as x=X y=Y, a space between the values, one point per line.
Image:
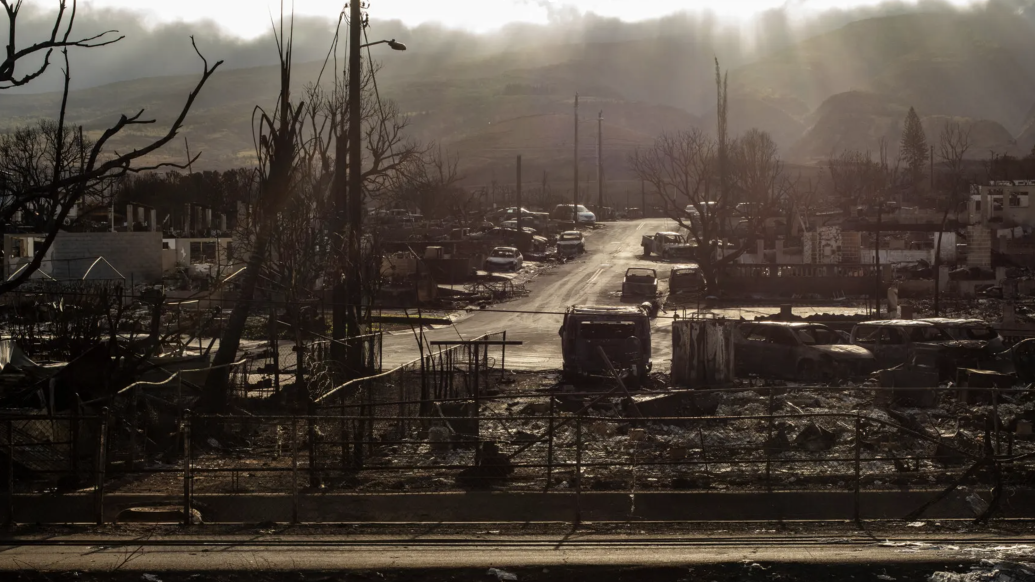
x=478 y=343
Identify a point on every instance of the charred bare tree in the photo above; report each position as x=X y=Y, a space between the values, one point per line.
x=60 y=39
x=952 y=148
x=276 y=148
x=854 y=176
x=71 y=169
x=700 y=181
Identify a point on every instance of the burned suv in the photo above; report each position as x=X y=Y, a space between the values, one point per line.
x=798 y=350
x=905 y=341
x=622 y=332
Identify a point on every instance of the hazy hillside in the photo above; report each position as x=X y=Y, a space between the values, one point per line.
x=974 y=65
x=842 y=89
x=856 y=120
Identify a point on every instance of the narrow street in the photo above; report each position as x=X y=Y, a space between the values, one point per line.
x=594 y=278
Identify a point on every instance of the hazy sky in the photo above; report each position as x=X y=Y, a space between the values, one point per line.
x=245 y=18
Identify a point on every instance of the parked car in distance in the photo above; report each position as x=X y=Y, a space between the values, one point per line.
x=570 y=243
x=640 y=282
x=895 y=342
x=504 y=259
x=797 y=350
x=582 y=214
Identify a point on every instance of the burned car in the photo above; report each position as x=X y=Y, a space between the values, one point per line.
x=970 y=329
x=686 y=279
x=798 y=350
x=570 y=243
x=504 y=259
x=640 y=282
x=907 y=341
x=622 y=332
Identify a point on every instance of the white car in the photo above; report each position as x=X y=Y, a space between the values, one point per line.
x=564 y=212
x=504 y=259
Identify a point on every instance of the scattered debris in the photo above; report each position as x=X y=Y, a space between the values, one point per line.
x=502 y=575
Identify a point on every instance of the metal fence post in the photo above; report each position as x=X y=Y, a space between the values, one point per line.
x=188 y=477
x=858 y=468
x=10 y=472
x=549 y=447
x=102 y=449
x=503 y=357
x=314 y=476
x=769 y=446
x=294 y=469
x=578 y=469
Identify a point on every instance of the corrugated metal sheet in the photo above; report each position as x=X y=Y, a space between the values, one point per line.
x=702 y=352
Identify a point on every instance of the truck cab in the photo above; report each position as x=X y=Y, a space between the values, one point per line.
x=622 y=332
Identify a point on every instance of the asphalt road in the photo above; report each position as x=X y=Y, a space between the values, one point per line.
x=200 y=552
x=593 y=279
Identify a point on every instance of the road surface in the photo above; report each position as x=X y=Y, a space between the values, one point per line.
x=269 y=552
x=594 y=278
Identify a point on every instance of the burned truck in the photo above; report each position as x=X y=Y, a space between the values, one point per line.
x=622 y=332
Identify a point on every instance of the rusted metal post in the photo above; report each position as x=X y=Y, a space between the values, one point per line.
x=549 y=446
x=503 y=349
x=10 y=472
x=344 y=439
x=102 y=449
x=314 y=476
x=997 y=426
x=858 y=466
x=477 y=394
x=769 y=445
x=704 y=457
x=578 y=470
x=294 y=469
x=275 y=349
x=187 y=476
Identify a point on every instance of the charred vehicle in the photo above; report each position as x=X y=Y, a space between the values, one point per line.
x=640 y=282
x=896 y=342
x=666 y=245
x=798 y=350
x=504 y=259
x=622 y=332
x=970 y=329
x=685 y=280
x=570 y=243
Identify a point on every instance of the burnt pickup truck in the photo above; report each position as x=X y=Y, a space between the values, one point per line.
x=640 y=282
x=622 y=332
x=666 y=245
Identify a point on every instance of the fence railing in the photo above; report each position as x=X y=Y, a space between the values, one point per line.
x=806 y=270
x=575 y=444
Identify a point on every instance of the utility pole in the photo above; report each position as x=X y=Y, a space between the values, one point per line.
x=600 y=161
x=932 y=171
x=643 y=199
x=575 y=206
x=519 y=213
x=354 y=353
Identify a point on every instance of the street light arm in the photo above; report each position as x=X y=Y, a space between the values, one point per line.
x=396 y=46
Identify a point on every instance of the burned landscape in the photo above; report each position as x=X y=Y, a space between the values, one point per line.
x=556 y=284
